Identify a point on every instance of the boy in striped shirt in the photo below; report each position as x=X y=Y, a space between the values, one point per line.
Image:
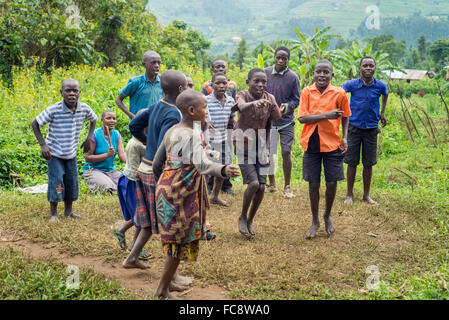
x=219 y=104
x=65 y=119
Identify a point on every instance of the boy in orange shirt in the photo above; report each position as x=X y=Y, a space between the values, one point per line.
x=321 y=107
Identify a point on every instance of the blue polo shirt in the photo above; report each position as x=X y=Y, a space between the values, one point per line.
x=142 y=92
x=365 y=102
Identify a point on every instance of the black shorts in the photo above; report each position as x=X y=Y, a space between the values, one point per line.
x=367 y=140
x=332 y=163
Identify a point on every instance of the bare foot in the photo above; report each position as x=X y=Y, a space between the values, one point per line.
x=72 y=215
x=167 y=296
x=348 y=200
x=369 y=200
x=176 y=287
x=53 y=219
x=134 y=265
x=183 y=281
x=219 y=202
x=329 y=226
x=251 y=228
x=243 y=226
x=311 y=233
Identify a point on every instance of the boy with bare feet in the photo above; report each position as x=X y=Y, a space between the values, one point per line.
x=181 y=195
x=256 y=110
x=219 y=106
x=159 y=118
x=320 y=110
x=65 y=120
x=363 y=125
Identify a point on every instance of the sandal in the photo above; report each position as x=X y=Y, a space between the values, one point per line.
x=120 y=238
x=145 y=255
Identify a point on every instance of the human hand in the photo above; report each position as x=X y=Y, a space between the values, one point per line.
x=334 y=114
x=232 y=170
x=46 y=151
x=383 y=120
x=343 y=146
x=284 y=108
x=260 y=103
x=111 y=152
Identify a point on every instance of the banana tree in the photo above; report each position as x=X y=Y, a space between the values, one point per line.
x=311 y=49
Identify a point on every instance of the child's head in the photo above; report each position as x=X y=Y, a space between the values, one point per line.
x=173 y=82
x=281 y=58
x=257 y=82
x=193 y=105
x=219 y=83
x=151 y=61
x=108 y=119
x=218 y=65
x=367 y=67
x=189 y=82
x=323 y=73
x=70 y=91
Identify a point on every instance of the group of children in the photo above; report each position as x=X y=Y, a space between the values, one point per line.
x=176 y=141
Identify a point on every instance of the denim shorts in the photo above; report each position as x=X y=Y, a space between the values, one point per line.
x=62 y=180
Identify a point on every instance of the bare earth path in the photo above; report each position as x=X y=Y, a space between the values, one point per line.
x=141 y=282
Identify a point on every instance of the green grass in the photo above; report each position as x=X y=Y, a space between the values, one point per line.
x=23 y=278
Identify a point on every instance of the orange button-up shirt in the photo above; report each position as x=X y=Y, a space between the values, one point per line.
x=314 y=102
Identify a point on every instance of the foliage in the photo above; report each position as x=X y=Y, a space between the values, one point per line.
x=22 y=278
x=347 y=61
x=439 y=51
x=312 y=49
x=102 y=32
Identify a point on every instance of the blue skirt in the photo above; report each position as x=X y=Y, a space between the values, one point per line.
x=126 y=191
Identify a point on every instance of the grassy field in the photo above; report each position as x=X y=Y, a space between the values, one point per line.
x=405 y=237
x=261 y=20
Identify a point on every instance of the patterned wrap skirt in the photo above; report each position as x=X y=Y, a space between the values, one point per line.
x=145 y=215
x=181 y=204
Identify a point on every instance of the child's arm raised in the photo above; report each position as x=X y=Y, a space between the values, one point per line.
x=45 y=149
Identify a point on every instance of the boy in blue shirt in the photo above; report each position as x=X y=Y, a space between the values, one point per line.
x=363 y=125
x=144 y=90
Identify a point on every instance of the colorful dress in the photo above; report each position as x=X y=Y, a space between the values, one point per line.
x=181 y=195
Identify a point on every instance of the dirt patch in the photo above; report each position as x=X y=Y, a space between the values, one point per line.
x=141 y=282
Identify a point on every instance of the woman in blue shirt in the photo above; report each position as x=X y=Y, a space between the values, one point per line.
x=99 y=169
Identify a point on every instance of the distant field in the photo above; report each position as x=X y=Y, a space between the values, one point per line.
x=264 y=20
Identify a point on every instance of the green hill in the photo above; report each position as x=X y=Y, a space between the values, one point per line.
x=221 y=20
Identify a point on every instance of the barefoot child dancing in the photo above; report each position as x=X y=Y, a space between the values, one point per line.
x=256 y=109
x=320 y=109
x=65 y=119
x=181 y=195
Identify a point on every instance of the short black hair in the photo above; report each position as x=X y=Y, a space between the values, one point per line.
x=103 y=114
x=171 y=80
x=282 y=48
x=253 y=71
x=188 y=98
x=366 y=57
x=217 y=59
x=325 y=61
x=215 y=75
